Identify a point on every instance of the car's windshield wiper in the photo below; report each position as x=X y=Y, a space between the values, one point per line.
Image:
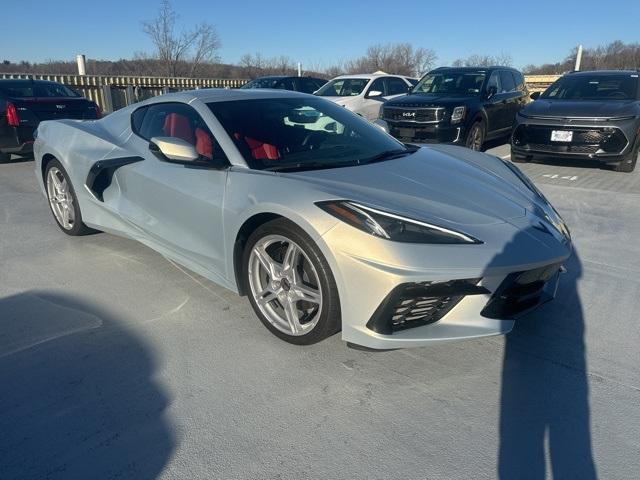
x=388 y=155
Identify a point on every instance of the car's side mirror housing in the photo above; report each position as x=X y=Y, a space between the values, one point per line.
x=374 y=93
x=535 y=95
x=491 y=91
x=177 y=150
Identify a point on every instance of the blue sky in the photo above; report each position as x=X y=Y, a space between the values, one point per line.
x=319 y=33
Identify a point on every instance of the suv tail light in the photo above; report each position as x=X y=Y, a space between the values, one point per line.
x=12 y=115
x=98 y=111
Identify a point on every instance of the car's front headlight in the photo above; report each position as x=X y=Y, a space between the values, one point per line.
x=458 y=114
x=391 y=226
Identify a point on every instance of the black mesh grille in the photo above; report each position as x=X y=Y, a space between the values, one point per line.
x=586 y=140
x=413 y=312
x=397 y=114
x=415 y=304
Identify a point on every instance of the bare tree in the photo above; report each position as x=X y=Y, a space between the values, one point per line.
x=399 y=58
x=475 y=60
x=174 y=49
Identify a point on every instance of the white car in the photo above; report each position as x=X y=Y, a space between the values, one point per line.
x=364 y=94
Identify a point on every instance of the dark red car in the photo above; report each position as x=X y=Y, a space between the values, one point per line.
x=25 y=103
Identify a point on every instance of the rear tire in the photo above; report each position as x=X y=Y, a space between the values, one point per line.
x=63 y=201
x=281 y=264
x=476 y=136
x=4 y=157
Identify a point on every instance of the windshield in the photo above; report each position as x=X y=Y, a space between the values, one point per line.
x=594 y=87
x=343 y=87
x=26 y=88
x=262 y=83
x=451 y=83
x=307 y=133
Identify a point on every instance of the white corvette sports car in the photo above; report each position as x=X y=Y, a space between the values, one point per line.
x=323 y=220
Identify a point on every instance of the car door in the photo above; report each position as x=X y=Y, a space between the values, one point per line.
x=493 y=105
x=511 y=98
x=370 y=106
x=177 y=208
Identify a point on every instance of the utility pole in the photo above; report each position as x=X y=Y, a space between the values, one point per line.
x=299 y=69
x=578 y=58
x=82 y=65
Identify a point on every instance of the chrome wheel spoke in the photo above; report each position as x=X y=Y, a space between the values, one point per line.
x=291 y=311
x=266 y=296
x=60 y=199
x=267 y=262
x=308 y=294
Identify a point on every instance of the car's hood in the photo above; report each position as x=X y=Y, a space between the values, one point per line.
x=582 y=108
x=428 y=100
x=440 y=183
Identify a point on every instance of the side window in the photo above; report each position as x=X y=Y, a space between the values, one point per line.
x=136 y=119
x=377 y=85
x=494 y=81
x=396 y=86
x=519 y=78
x=506 y=81
x=177 y=120
x=307 y=85
x=286 y=84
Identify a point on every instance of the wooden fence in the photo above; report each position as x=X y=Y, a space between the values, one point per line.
x=114 y=92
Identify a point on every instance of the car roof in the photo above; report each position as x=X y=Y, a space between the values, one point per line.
x=370 y=76
x=208 y=95
x=605 y=72
x=474 y=69
x=26 y=81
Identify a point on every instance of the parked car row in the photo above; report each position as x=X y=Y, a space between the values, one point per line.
x=583 y=115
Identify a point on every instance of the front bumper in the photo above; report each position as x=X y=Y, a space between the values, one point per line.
x=605 y=141
x=409 y=295
x=426 y=133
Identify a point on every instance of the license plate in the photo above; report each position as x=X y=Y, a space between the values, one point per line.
x=406 y=132
x=561 y=135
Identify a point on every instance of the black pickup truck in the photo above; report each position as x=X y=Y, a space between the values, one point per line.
x=24 y=103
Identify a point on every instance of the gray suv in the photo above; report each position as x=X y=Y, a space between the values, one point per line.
x=583 y=115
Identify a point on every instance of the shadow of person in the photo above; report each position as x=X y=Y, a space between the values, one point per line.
x=77 y=395
x=544 y=410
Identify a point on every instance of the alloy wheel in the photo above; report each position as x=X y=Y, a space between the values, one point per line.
x=285 y=285
x=60 y=198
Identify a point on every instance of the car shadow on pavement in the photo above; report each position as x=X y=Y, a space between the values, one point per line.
x=78 y=399
x=544 y=410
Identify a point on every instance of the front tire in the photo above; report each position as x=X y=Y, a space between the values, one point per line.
x=4 y=157
x=290 y=284
x=63 y=201
x=475 y=136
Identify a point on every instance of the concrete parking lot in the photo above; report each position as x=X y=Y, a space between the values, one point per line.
x=116 y=363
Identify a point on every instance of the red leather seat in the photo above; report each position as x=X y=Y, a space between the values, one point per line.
x=204 y=145
x=260 y=150
x=176 y=125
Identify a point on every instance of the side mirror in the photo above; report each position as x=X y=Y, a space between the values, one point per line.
x=173 y=149
x=535 y=95
x=491 y=91
x=374 y=93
